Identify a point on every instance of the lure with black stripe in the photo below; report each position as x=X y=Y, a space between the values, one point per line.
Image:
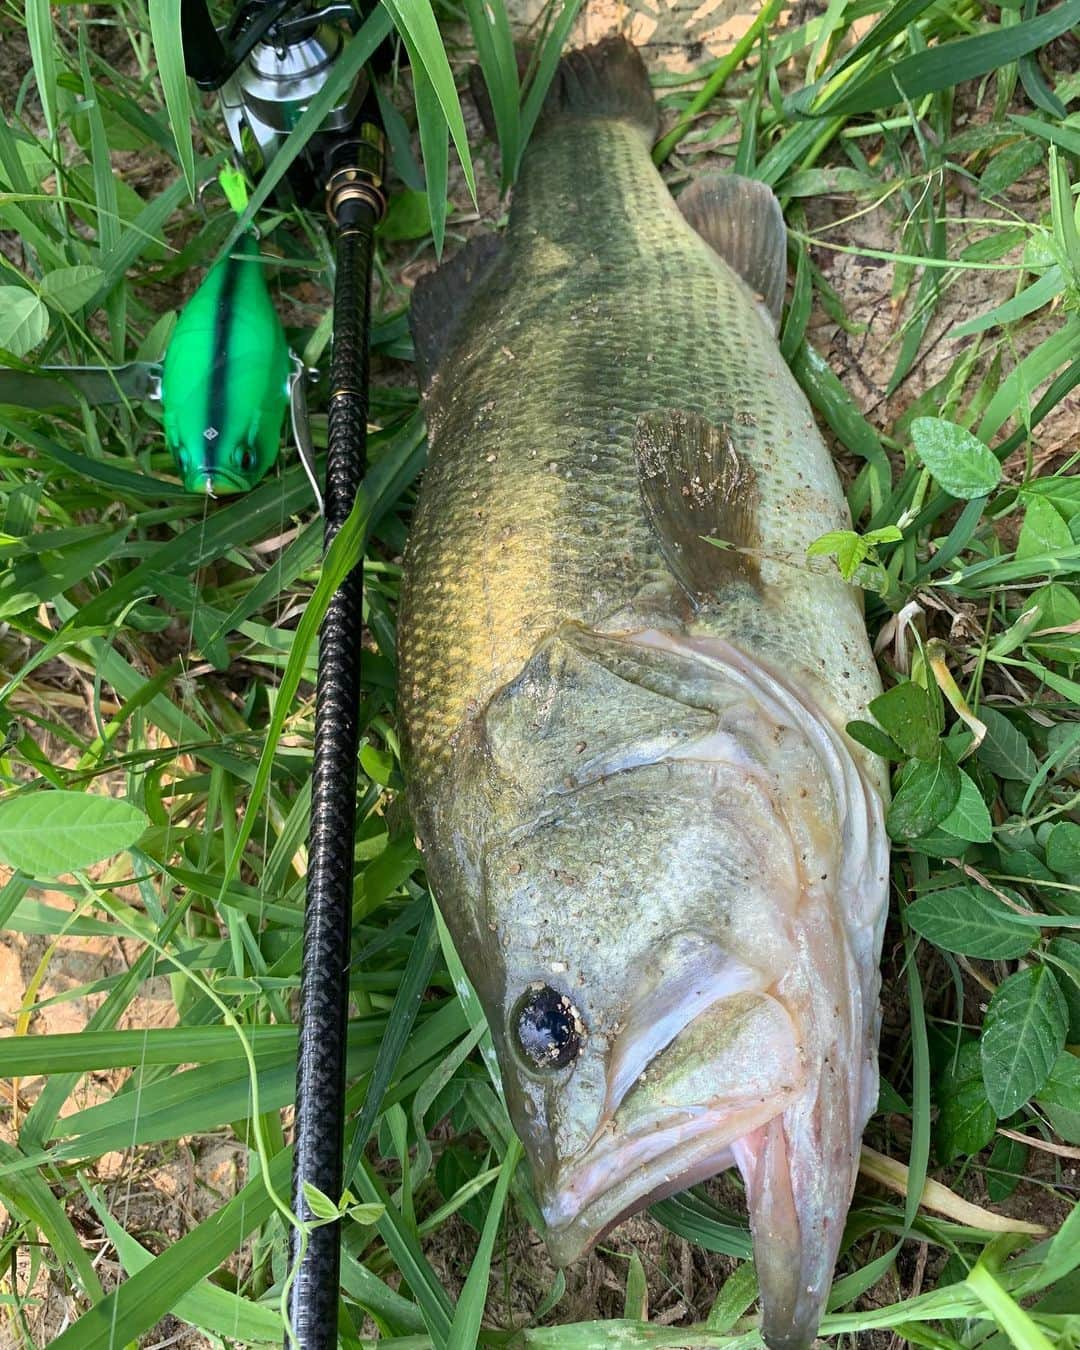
x=225 y=380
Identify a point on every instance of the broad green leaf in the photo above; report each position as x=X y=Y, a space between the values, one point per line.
x=1044 y=530
x=851 y=549
x=874 y=739
x=1060 y=1097
x=972 y=922
x=46 y=833
x=24 y=320
x=959 y=461
x=1062 y=491
x=1063 y=951
x=970 y=818
x=1004 y=751
x=907 y=713
x=408 y=216
x=1003 y=170
x=966 y=1119
x=1063 y=850
x=69 y=288
x=926 y=796
x=1023 y=1034
x=1005 y=1168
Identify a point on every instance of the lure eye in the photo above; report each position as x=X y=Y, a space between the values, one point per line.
x=547 y=1029
x=247 y=460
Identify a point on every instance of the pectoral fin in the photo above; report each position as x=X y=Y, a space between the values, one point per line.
x=696 y=487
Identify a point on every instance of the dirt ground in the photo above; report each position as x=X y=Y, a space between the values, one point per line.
x=166 y=1194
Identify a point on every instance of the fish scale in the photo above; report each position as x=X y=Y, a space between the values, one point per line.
x=641 y=819
x=549 y=379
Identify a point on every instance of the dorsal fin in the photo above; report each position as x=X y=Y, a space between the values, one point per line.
x=695 y=487
x=741 y=220
x=441 y=297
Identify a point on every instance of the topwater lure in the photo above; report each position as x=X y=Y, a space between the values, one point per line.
x=225 y=378
x=224 y=384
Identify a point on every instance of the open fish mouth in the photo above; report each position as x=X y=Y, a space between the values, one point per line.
x=727 y=1047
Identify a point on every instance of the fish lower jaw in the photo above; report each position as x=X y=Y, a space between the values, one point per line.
x=617 y=1178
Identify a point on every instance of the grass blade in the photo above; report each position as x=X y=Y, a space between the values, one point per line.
x=149 y=1294
x=415 y=21
x=498 y=62
x=546 y=64
x=39 y=33
x=465 y=1331
x=167 y=36
x=942 y=67
x=410 y=991
x=435 y=144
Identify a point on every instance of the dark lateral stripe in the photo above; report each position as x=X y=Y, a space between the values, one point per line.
x=224 y=314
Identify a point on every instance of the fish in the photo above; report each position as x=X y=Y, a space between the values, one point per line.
x=225 y=378
x=623 y=690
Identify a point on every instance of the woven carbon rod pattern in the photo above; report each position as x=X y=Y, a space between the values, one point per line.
x=324 y=989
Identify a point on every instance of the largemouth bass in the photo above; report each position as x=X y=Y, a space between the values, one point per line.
x=662 y=861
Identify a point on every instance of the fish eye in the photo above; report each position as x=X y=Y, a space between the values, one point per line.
x=547 y=1029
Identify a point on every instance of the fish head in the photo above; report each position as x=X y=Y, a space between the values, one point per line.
x=676 y=946
x=638 y=1024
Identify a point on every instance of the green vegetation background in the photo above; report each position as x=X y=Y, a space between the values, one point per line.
x=156 y=699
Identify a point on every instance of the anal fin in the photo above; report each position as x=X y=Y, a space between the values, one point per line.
x=741 y=220
x=696 y=487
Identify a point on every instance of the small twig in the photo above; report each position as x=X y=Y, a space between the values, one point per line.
x=1061 y=1150
x=894 y=1175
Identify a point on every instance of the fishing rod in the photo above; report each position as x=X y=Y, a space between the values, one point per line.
x=223 y=385
x=268 y=64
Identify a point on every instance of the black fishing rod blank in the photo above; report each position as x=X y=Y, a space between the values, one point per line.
x=354 y=206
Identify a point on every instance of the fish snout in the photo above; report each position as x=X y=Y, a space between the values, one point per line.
x=705 y=1055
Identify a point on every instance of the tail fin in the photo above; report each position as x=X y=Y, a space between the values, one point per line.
x=608 y=80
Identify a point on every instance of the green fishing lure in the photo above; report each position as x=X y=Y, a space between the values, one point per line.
x=225 y=381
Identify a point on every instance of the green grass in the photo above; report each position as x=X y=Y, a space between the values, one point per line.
x=158 y=654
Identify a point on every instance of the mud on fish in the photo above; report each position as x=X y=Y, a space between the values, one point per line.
x=662 y=861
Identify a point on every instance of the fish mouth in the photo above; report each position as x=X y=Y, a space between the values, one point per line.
x=680 y=1096
x=612 y=1184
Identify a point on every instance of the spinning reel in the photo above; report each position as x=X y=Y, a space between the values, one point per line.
x=267 y=65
